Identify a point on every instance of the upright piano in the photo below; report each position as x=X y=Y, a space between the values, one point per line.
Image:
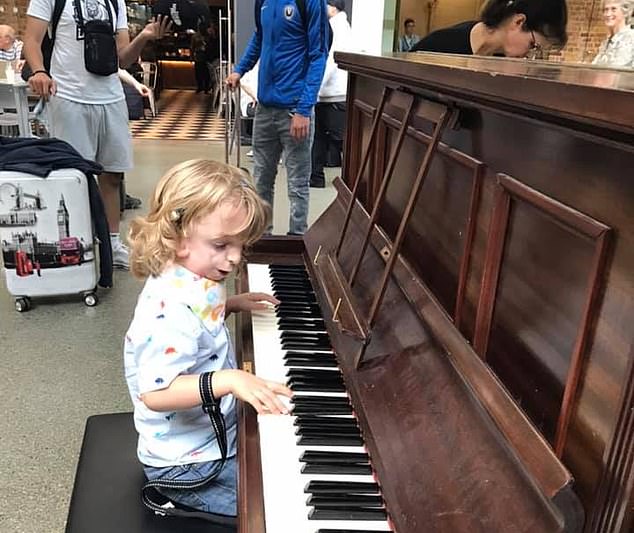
x=458 y=324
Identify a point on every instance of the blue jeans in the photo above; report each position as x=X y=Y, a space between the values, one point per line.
x=218 y=496
x=271 y=137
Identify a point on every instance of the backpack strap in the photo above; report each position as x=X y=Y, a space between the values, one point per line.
x=58 y=9
x=257 y=7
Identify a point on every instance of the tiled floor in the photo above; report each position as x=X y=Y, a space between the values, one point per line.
x=62 y=362
x=182 y=115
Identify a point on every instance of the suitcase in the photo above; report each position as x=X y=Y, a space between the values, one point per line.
x=46 y=236
x=134 y=101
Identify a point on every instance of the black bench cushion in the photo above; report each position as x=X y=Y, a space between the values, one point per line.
x=107 y=493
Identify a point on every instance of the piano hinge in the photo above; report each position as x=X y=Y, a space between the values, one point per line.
x=247 y=366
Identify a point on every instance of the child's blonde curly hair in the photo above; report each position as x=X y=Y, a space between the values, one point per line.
x=185 y=194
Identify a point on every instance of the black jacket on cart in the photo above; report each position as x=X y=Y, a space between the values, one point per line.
x=40 y=157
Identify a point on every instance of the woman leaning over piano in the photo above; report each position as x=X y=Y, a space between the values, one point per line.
x=512 y=28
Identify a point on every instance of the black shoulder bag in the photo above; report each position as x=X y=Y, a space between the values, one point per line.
x=154 y=501
x=100 y=47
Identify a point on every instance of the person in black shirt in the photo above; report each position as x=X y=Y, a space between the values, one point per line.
x=513 y=28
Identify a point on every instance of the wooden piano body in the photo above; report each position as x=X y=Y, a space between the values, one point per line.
x=486 y=331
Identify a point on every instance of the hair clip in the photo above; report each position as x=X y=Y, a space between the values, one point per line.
x=176 y=214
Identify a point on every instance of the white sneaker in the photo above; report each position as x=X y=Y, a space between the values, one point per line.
x=120 y=255
x=250 y=153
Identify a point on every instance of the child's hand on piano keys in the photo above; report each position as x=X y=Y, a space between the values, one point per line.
x=262 y=394
x=250 y=301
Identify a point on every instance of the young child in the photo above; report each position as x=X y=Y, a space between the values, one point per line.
x=202 y=215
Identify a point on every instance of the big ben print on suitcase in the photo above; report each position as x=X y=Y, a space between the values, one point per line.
x=46 y=236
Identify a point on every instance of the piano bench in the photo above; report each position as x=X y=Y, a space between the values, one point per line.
x=107 y=492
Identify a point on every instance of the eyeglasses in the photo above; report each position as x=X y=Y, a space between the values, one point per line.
x=536 y=51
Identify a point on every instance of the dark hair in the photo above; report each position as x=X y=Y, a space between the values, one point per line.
x=339 y=4
x=409 y=21
x=547 y=17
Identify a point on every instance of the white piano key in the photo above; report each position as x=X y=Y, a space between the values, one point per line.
x=284 y=496
x=283 y=482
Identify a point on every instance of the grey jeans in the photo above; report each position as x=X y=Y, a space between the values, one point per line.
x=271 y=137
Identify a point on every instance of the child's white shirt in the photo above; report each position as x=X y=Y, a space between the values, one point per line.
x=178 y=328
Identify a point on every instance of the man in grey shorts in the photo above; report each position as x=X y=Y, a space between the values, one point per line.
x=87 y=110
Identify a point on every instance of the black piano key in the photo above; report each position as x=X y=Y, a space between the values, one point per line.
x=338 y=469
x=334 y=457
x=292 y=313
x=347 y=514
x=306 y=326
x=316 y=387
x=296 y=345
x=341 y=500
x=314 y=372
x=293 y=291
x=315 y=323
x=321 y=410
x=326 y=381
x=353 y=432
x=341 y=487
x=290 y=276
x=299 y=306
x=312 y=440
x=306 y=341
x=281 y=267
x=291 y=283
x=278 y=267
x=301 y=311
x=320 y=400
x=316 y=354
x=320 y=384
x=303 y=362
x=346 y=423
x=329 y=530
x=295 y=297
x=299 y=336
x=299 y=320
x=326 y=420
x=294 y=335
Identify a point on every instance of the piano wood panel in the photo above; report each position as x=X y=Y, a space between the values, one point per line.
x=571 y=141
x=441 y=461
x=544 y=275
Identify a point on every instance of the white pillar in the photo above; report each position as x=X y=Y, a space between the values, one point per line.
x=373 y=25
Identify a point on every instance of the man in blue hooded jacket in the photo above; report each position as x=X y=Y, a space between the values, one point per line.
x=292 y=48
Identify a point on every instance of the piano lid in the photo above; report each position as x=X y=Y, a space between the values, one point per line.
x=554 y=90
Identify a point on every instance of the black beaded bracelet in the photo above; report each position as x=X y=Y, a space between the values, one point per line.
x=38 y=72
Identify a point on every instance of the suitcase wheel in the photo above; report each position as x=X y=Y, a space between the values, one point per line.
x=91 y=299
x=22 y=304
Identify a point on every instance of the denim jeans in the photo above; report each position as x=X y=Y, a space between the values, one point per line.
x=271 y=137
x=218 y=496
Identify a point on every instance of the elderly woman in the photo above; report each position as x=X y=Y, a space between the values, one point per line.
x=618 y=49
x=10 y=47
x=513 y=28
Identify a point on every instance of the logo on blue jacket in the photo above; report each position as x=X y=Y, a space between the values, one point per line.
x=288 y=11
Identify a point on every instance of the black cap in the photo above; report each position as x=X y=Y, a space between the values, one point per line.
x=339 y=4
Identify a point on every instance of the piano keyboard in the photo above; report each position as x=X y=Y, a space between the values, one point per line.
x=315 y=469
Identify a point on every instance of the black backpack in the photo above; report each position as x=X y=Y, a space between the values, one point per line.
x=49 y=40
x=301 y=6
